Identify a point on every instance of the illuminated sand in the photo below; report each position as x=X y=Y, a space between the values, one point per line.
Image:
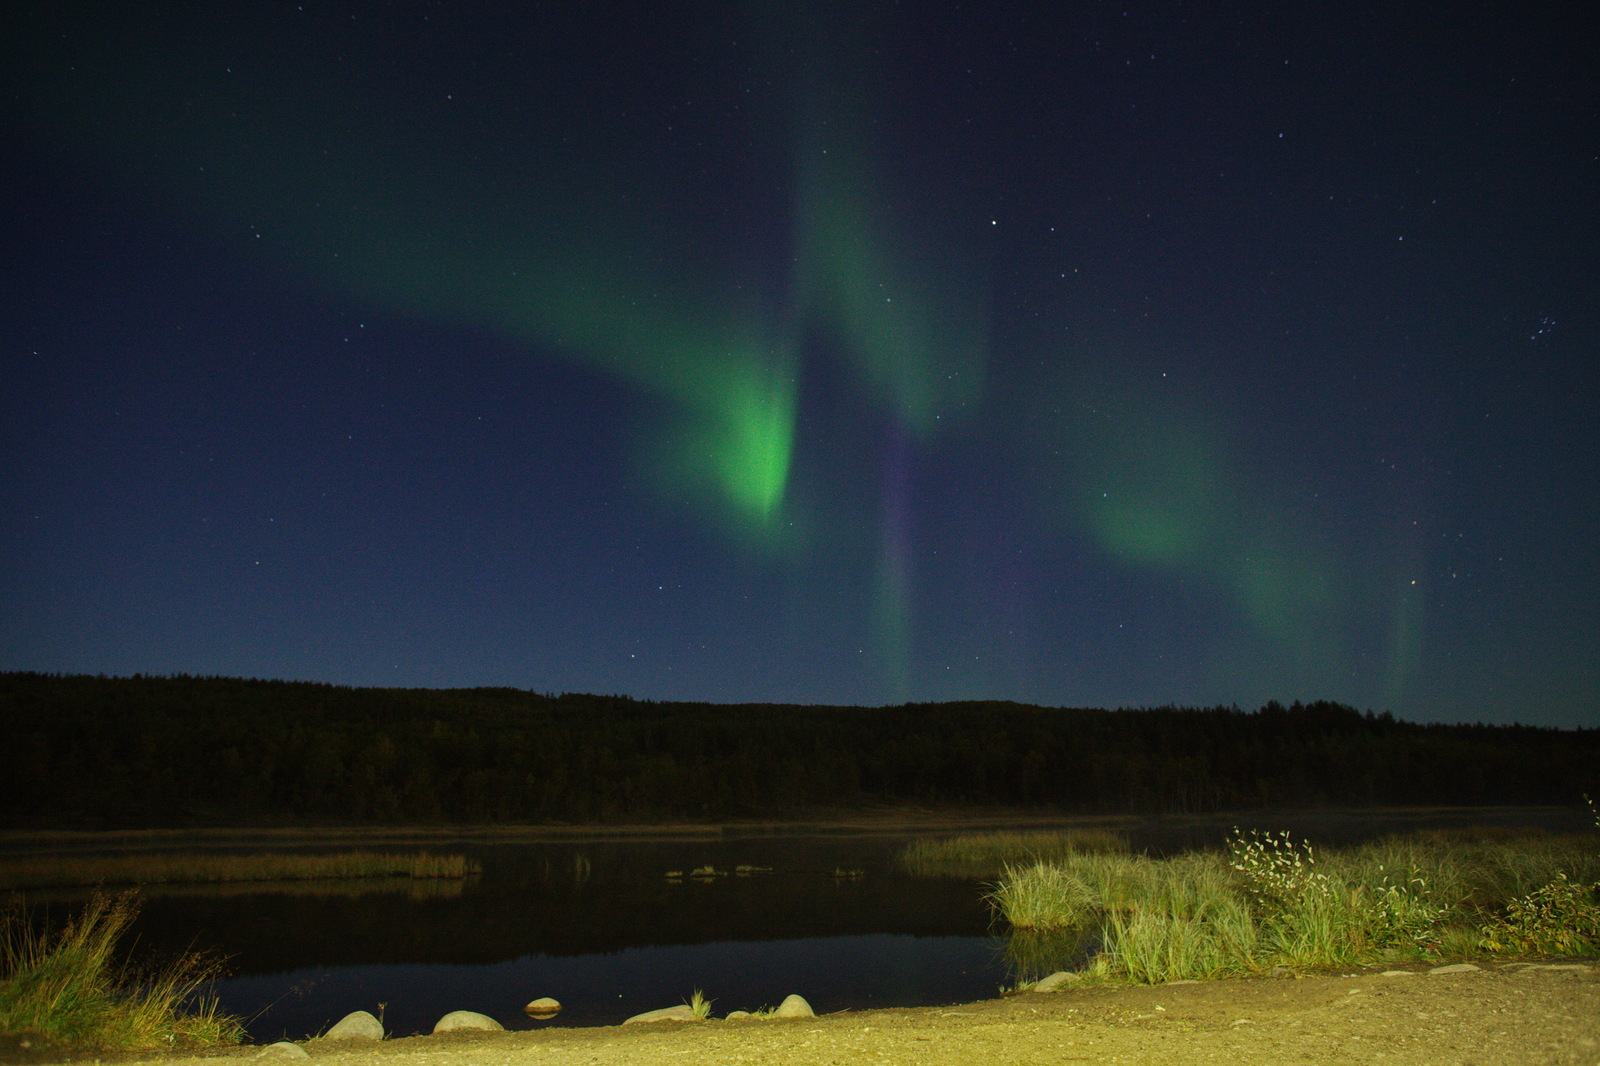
x=1503 y=1014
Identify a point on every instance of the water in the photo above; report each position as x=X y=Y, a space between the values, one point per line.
x=601 y=927
x=855 y=973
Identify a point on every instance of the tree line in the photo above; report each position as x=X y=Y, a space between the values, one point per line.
x=104 y=752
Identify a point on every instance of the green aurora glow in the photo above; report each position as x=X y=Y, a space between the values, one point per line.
x=577 y=257
x=561 y=256
x=1151 y=479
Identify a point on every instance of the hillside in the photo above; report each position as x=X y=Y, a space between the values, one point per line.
x=98 y=752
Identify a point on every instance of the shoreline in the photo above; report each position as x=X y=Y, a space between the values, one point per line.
x=1510 y=1013
x=853 y=822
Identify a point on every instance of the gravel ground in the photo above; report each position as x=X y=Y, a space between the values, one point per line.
x=1496 y=1015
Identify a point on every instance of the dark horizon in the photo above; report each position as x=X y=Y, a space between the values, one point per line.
x=152 y=752
x=1234 y=707
x=1071 y=355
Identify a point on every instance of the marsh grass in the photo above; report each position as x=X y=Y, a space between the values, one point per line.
x=1043 y=896
x=1270 y=900
x=1479 y=868
x=51 y=871
x=1154 y=946
x=69 y=987
x=987 y=855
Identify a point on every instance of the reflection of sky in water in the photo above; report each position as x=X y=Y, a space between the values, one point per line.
x=833 y=973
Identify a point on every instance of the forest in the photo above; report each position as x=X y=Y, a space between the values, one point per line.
x=86 y=752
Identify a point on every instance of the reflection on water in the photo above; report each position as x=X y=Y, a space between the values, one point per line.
x=602 y=927
x=1034 y=953
x=409 y=888
x=833 y=973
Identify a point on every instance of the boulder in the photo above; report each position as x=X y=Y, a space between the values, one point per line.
x=283 y=1049
x=465 y=1019
x=681 y=1013
x=543 y=1007
x=359 y=1025
x=794 y=1007
x=1456 y=967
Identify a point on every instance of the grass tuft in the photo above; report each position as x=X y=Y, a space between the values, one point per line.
x=68 y=986
x=700 y=1005
x=1042 y=896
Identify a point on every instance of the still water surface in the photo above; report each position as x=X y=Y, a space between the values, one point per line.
x=601 y=927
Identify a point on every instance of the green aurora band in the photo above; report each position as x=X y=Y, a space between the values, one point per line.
x=560 y=254
x=572 y=255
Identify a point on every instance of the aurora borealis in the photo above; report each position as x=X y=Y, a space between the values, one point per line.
x=1079 y=355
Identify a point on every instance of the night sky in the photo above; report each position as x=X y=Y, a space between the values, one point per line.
x=1079 y=354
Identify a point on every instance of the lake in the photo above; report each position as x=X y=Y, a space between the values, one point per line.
x=602 y=927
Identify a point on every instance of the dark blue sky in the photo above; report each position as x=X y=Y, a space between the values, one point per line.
x=1078 y=354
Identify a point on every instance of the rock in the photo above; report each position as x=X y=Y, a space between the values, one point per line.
x=1055 y=981
x=794 y=1007
x=735 y=1015
x=681 y=1013
x=543 y=1007
x=1457 y=967
x=1397 y=973
x=283 y=1049
x=359 y=1025
x=465 y=1019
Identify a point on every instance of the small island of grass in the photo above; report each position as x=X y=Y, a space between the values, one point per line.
x=64 y=871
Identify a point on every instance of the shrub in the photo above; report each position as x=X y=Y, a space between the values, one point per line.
x=1326 y=915
x=1561 y=918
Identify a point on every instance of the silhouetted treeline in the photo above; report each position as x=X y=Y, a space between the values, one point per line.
x=150 y=751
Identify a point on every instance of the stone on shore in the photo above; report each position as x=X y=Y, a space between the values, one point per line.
x=543 y=1007
x=1055 y=981
x=358 y=1025
x=466 y=1019
x=794 y=1007
x=283 y=1049
x=681 y=1013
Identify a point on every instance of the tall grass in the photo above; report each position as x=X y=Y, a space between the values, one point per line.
x=1153 y=946
x=1269 y=900
x=51 y=871
x=985 y=855
x=68 y=986
x=1043 y=896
